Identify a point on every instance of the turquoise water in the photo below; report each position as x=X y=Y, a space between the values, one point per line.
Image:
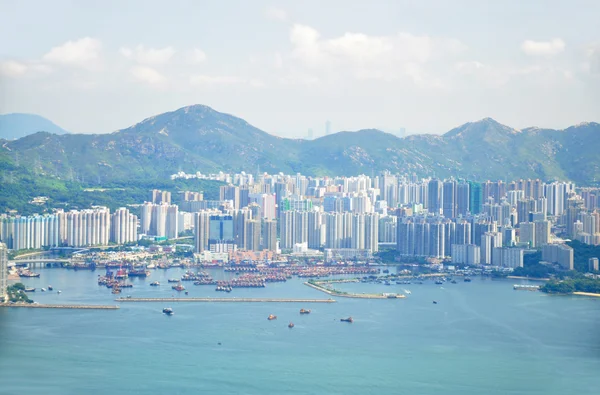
x=481 y=338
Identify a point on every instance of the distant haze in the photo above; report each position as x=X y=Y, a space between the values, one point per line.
x=426 y=66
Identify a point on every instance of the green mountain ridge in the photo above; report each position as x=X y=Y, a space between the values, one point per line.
x=198 y=138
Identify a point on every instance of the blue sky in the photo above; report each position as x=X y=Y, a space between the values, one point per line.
x=287 y=66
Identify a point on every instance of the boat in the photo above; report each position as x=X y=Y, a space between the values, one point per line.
x=116 y=290
x=439 y=282
x=50 y=288
x=272 y=317
x=28 y=274
x=349 y=319
x=406 y=291
x=59 y=291
x=453 y=281
x=291 y=325
x=304 y=311
x=29 y=289
x=154 y=284
x=467 y=279
x=43 y=289
x=139 y=273
x=173 y=280
x=178 y=287
x=168 y=311
x=434 y=302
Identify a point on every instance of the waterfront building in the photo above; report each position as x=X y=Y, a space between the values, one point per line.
x=558 y=253
x=123 y=226
x=527 y=234
x=3 y=271
x=507 y=257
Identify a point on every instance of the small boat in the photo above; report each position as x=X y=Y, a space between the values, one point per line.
x=154 y=284
x=453 y=281
x=303 y=311
x=435 y=302
x=173 y=280
x=29 y=289
x=439 y=282
x=50 y=288
x=349 y=319
x=187 y=293
x=406 y=291
x=178 y=287
x=116 y=290
x=59 y=291
x=168 y=311
x=291 y=325
x=43 y=289
x=272 y=317
x=467 y=279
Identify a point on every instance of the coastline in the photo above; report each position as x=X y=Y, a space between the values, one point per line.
x=587 y=294
x=318 y=287
x=529 y=278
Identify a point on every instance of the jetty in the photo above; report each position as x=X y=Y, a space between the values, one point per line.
x=334 y=292
x=226 y=300
x=59 y=306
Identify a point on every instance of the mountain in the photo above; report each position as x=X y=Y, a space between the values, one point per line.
x=198 y=138
x=16 y=125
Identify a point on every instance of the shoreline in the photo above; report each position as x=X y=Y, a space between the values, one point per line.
x=586 y=294
x=528 y=278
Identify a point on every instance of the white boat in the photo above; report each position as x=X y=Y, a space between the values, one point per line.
x=406 y=291
x=43 y=289
x=59 y=291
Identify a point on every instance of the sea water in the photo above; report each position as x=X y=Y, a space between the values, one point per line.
x=480 y=338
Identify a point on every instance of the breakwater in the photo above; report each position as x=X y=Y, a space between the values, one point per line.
x=337 y=293
x=59 y=306
x=226 y=300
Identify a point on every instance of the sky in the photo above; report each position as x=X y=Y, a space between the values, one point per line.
x=286 y=66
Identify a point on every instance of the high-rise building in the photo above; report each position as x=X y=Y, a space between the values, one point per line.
x=230 y=192
x=270 y=235
x=252 y=240
x=462 y=198
x=449 y=199
x=542 y=233
x=161 y=196
x=3 y=271
x=527 y=234
x=475 y=197
x=202 y=230
x=123 y=226
x=558 y=253
x=435 y=194
x=593 y=264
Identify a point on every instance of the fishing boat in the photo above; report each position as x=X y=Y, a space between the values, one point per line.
x=154 y=284
x=173 y=280
x=272 y=317
x=178 y=287
x=43 y=289
x=29 y=289
x=467 y=279
x=304 y=311
x=349 y=319
x=50 y=288
x=168 y=311
x=435 y=302
x=291 y=325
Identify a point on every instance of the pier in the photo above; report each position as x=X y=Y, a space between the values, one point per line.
x=226 y=300
x=334 y=292
x=59 y=306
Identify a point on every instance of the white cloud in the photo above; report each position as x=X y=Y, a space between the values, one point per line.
x=548 y=48
x=197 y=56
x=201 y=79
x=147 y=75
x=151 y=56
x=85 y=53
x=276 y=14
x=12 y=68
x=399 y=56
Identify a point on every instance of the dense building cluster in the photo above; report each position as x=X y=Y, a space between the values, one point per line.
x=491 y=223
